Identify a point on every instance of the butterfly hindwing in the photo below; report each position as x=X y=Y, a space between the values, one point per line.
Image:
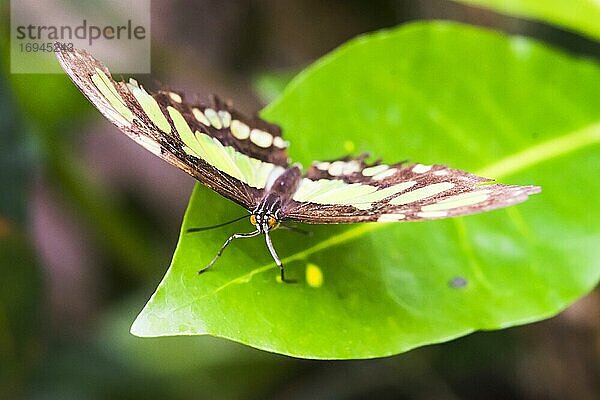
x=349 y=190
x=233 y=155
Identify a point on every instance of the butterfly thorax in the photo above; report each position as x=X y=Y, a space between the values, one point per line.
x=268 y=213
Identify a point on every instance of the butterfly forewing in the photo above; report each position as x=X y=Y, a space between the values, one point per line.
x=240 y=158
x=253 y=137
x=349 y=190
x=233 y=155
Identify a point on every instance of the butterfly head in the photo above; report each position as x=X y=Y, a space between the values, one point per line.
x=264 y=222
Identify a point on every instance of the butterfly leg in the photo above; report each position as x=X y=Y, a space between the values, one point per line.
x=277 y=260
x=231 y=238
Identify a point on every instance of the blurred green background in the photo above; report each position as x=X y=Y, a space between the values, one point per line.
x=89 y=220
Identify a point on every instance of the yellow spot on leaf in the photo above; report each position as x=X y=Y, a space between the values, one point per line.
x=314 y=275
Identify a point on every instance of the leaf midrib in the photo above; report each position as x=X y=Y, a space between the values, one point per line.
x=545 y=151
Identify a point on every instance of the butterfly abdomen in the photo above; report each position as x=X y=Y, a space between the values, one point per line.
x=279 y=193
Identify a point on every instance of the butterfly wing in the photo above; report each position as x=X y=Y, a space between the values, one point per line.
x=349 y=190
x=235 y=156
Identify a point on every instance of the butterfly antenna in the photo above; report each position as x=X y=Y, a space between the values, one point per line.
x=206 y=228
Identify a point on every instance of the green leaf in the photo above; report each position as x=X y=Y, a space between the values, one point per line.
x=577 y=15
x=505 y=107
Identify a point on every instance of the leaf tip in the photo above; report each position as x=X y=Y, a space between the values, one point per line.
x=139 y=327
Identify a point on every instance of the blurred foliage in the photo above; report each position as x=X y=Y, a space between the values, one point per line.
x=269 y=86
x=53 y=130
x=21 y=295
x=21 y=344
x=524 y=110
x=577 y=15
x=16 y=164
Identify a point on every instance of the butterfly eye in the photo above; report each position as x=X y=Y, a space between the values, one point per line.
x=272 y=222
x=253 y=219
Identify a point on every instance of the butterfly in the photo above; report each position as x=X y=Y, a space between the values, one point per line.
x=245 y=160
